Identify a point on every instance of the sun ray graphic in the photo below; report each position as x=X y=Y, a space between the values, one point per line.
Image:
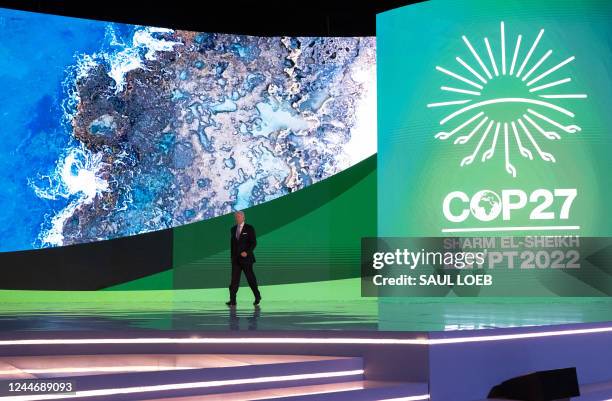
x=527 y=84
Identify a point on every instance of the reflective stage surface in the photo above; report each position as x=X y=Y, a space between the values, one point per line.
x=189 y=310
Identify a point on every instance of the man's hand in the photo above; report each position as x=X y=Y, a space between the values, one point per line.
x=243 y=254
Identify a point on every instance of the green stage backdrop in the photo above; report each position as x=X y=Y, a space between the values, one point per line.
x=494 y=121
x=311 y=235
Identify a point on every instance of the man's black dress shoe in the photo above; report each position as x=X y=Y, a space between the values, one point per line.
x=231 y=303
x=257 y=301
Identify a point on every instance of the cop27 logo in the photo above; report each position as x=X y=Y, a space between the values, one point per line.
x=506 y=95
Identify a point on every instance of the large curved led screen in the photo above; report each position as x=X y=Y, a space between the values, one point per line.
x=111 y=130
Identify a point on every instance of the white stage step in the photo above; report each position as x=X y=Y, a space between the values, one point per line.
x=362 y=390
x=125 y=377
x=23 y=367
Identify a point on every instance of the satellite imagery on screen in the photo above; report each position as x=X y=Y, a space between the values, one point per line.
x=113 y=130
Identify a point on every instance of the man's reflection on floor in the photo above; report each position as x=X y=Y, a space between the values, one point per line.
x=234 y=319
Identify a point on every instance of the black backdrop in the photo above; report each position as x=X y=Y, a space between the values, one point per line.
x=90 y=266
x=256 y=17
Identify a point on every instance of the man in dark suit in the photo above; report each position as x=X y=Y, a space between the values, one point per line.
x=242 y=244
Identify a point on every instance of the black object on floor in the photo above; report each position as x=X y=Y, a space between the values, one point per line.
x=547 y=385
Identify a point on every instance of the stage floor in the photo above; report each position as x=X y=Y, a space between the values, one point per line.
x=190 y=310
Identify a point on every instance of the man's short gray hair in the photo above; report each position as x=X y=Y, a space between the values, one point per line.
x=239 y=212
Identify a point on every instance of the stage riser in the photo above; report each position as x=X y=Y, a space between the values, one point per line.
x=459 y=365
x=402 y=363
x=212 y=390
x=212 y=374
x=466 y=372
x=374 y=394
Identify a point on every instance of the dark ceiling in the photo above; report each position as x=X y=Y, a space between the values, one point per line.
x=263 y=17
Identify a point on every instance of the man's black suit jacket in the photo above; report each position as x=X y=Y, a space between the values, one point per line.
x=245 y=243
